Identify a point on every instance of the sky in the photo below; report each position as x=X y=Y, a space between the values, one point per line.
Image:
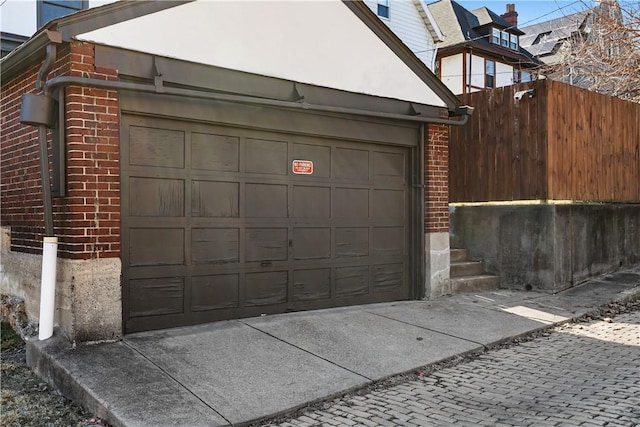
x=531 y=11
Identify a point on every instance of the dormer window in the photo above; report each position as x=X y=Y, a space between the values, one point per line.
x=514 y=42
x=495 y=36
x=504 y=39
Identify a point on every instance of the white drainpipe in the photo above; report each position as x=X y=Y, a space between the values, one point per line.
x=48 y=287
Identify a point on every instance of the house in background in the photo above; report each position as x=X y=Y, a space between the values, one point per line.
x=599 y=30
x=241 y=176
x=544 y=40
x=481 y=49
x=413 y=23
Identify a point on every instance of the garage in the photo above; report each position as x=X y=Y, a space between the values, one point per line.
x=225 y=221
x=211 y=169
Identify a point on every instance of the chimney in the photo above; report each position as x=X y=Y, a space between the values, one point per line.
x=511 y=16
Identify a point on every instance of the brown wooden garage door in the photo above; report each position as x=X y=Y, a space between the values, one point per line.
x=217 y=225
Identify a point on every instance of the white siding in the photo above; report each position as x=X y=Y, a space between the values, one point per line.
x=276 y=39
x=405 y=21
x=504 y=74
x=451 y=73
x=477 y=71
x=21 y=16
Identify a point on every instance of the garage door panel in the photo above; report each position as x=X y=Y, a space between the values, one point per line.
x=388 y=277
x=352 y=242
x=215 y=199
x=312 y=284
x=389 y=165
x=156 y=246
x=351 y=164
x=163 y=148
x=215 y=152
x=154 y=197
x=266 y=288
x=266 y=157
x=266 y=201
x=215 y=245
x=311 y=243
x=319 y=155
x=351 y=203
x=352 y=281
x=389 y=205
x=215 y=292
x=266 y=244
x=157 y=296
x=311 y=202
x=388 y=242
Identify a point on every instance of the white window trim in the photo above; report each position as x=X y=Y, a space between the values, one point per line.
x=495 y=32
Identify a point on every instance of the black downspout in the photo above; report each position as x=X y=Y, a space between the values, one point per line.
x=44 y=151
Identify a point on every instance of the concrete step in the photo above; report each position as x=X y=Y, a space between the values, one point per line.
x=458 y=255
x=475 y=283
x=466 y=268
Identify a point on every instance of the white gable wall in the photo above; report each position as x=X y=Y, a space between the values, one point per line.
x=20 y=16
x=321 y=43
x=405 y=21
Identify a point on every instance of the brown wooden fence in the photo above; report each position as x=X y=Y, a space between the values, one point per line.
x=564 y=143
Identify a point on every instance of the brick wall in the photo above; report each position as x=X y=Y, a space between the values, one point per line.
x=87 y=219
x=436 y=176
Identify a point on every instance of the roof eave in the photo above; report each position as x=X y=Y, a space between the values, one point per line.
x=67 y=27
x=513 y=29
x=514 y=56
x=429 y=21
x=110 y=14
x=27 y=53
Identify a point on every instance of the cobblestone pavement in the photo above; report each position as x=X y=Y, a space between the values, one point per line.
x=583 y=374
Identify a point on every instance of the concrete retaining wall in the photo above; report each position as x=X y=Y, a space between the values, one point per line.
x=548 y=247
x=88 y=292
x=437 y=266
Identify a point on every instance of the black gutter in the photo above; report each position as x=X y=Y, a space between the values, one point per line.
x=464 y=111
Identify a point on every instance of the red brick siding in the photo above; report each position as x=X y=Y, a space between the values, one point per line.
x=87 y=220
x=20 y=179
x=436 y=177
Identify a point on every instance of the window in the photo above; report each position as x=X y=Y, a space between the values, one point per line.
x=504 y=40
x=514 y=42
x=52 y=9
x=490 y=73
x=383 y=8
x=540 y=37
x=521 y=76
x=495 y=36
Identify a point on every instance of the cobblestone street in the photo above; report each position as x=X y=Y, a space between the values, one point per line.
x=584 y=374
